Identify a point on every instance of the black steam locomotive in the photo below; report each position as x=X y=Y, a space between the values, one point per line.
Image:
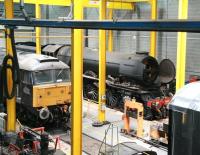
x=136 y=75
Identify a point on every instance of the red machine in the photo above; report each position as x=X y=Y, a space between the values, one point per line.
x=131 y=106
x=194 y=78
x=32 y=141
x=159 y=107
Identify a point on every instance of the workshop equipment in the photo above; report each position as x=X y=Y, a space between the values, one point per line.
x=130 y=107
x=158 y=107
x=159 y=132
x=28 y=142
x=194 y=78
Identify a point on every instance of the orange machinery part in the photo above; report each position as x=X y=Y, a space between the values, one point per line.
x=132 y=104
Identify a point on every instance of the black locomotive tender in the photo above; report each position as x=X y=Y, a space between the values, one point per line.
x=135 y=75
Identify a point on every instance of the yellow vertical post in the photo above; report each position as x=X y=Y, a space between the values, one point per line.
x=181 y=47
x=110 y=33
x=153 y=33
x=102 y=64
x=38 y=29
x=11 y=103
x=77 y=81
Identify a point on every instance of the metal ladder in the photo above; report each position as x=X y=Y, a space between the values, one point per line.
x=109 y=149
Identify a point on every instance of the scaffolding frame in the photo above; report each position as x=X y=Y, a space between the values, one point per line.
x=174 y=26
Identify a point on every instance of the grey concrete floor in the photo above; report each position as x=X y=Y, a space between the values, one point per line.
x=90 y=115
x=90 y=111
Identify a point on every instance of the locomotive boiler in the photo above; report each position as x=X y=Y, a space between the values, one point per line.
x=138 y=66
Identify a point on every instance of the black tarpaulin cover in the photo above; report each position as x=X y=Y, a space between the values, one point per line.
x=184 y=121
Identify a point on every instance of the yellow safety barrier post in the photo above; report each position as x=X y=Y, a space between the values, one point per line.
x=11 y=103
x=181 y=47
x=77 y=81
x=110 y=33
x=102 y=64
x=153 y=40
x=38 y=29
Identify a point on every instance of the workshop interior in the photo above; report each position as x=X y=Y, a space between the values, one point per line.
x=99 y=77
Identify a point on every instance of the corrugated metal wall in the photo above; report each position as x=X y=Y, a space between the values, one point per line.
x=54 y=12
x=17 y=13
x=136 y=41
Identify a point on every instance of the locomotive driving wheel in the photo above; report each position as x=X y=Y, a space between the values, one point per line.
x=112 y=99
x=90 y=92
x=90 y=89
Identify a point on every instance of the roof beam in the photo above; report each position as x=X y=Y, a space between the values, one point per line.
x=127 y=25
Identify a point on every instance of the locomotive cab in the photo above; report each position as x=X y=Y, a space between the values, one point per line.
x=45 y=88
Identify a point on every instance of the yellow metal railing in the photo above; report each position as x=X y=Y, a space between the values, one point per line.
x=77 y=81
x=38 y=29
x=153 y=41
x=11 y=103
x=102 y=64
x=181 y=47
x=86 y=3
x=110 y=32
